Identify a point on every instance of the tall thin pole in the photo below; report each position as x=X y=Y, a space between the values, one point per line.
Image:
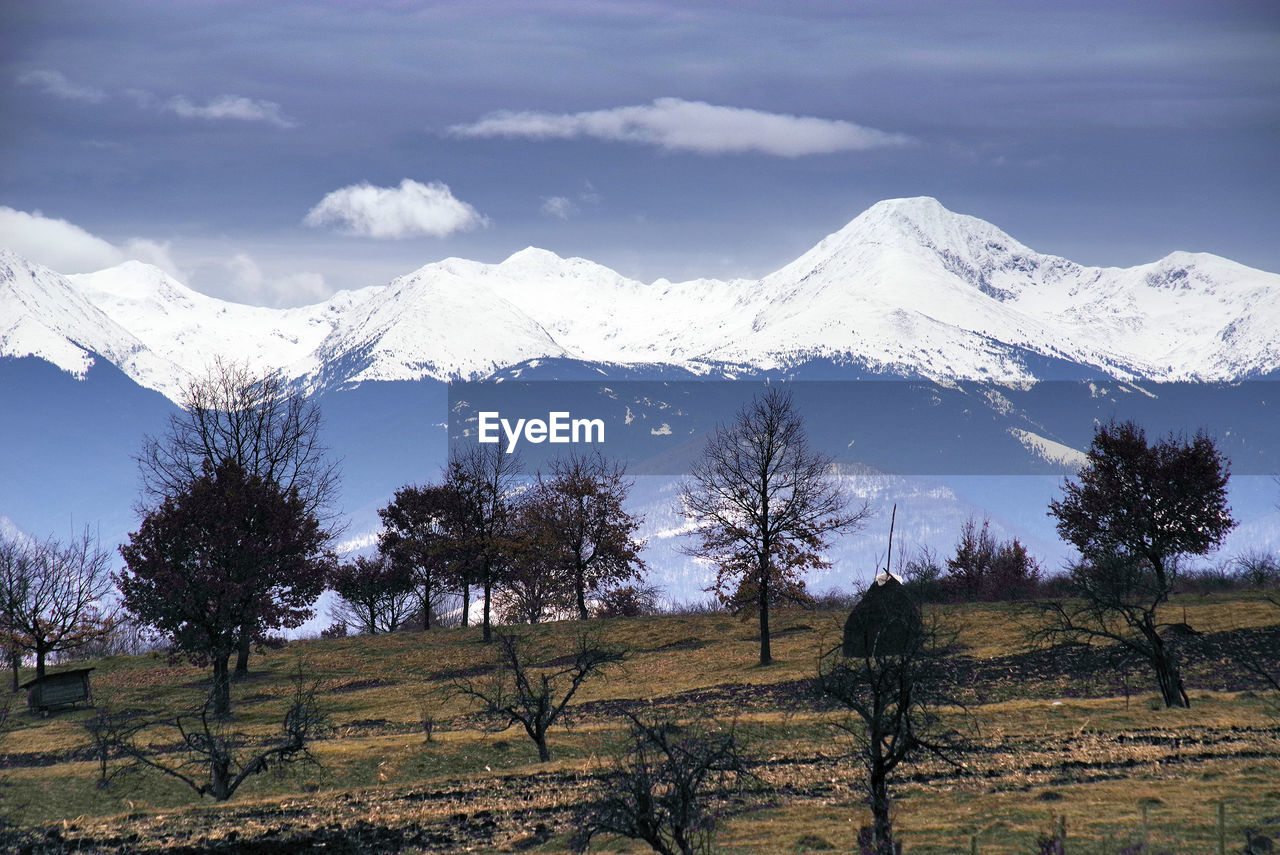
x=888 y=559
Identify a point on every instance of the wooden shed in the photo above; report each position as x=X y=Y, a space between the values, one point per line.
x=63 y=689
x=886 y=621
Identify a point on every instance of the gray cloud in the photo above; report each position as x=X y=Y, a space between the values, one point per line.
x=56 y=83
x=220 y=107
x=560 y=207
x=234 y=107
x=678 y=125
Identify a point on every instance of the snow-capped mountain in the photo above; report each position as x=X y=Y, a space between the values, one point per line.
x=43 y=315
x=188 y=330
x=907 y=288
x=92 y=363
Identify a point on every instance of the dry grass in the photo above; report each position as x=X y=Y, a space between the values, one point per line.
x=1094 y=760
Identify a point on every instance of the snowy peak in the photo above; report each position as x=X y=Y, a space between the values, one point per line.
x=907 y=287
x=43 y=315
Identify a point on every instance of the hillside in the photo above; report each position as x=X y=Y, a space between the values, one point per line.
x=1055 y=735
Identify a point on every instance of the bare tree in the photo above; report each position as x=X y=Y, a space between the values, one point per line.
x=668 y=789
x=374 y=594
x=535 y=697
x=894 y=689
x=210 y=758
x=52 y=595
x=764 y=505
x=253 y=418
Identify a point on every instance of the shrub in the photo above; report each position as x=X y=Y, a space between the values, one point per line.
x=628 y=601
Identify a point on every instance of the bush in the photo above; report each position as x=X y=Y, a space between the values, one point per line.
x=986 y=569
x=669 y=788
x=1257 y=569
x=922 y=577
x=628 y=601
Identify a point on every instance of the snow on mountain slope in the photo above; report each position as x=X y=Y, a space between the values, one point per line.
x=442 y=321
x=190 y=330
x=907 y=287
x=43 y=315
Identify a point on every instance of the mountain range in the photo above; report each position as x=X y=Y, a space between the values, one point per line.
x=972 y=319
x=906 y=289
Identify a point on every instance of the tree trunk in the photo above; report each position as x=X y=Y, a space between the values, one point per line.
x=881 y=826
x=1164 y=659
x=766 y=656
x=426 y=607
x=466 y=602
x=220 y=691
x=242 y=656
x=488 y=589
x=581 y=581
x=220 y=777
x=544 y=753
x=40 y=655
x=1169 y=677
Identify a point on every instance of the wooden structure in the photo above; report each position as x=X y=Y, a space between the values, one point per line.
x=885 y=622
x=62 y=689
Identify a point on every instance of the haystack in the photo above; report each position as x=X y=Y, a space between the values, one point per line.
x=886 y=621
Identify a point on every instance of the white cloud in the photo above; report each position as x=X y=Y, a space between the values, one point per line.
x=560 y=207
x=255 y=286
x=56 y=83
x=67 y=248
x=234 y=107
x=678 y=125
x=395 y=212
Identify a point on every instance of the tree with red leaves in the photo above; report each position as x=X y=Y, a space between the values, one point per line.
x=578 y=522
x=422 y=537
x=231 y=549
x=1134 y=512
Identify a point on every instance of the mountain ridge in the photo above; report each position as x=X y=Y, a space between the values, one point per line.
x=906 y=288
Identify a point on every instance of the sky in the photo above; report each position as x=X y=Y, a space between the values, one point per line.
x=273 y=153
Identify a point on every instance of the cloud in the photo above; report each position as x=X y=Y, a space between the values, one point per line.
x=56 y=83
x=395 y=212
x=560 y=207
x=234 y=107
x=67 y=248
x=678 y=125
x=255 y=286
x=222 y=107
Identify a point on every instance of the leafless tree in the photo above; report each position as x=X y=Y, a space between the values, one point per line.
x=374 y=595
x=894 y=691
x=210 y=759
x=254 y=418
x=668 y=788
x=52 y=595
x=533 y=696
x=764 y=505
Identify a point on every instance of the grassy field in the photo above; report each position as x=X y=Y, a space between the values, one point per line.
x=1054 y=736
